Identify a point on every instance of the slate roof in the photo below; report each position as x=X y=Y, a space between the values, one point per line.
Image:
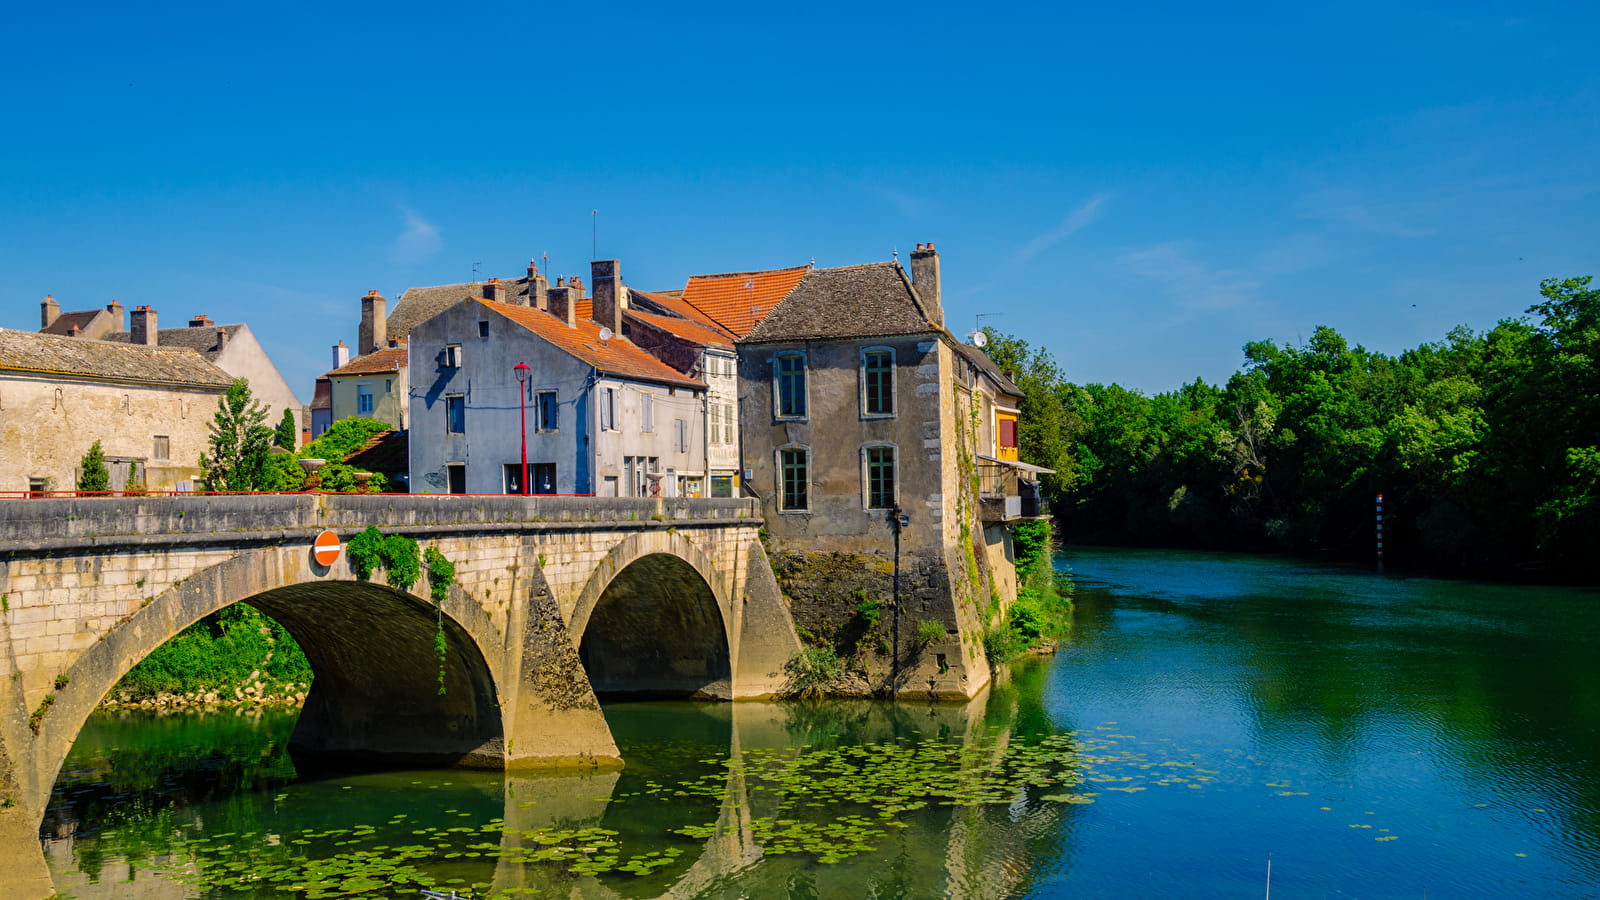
x=202 y=339
x=64 y=322
x=982 y=361
x=389 y=359
x=419 y=304
x=868 y=300
x=50 y=354
x=739 y=300
x=618 y=356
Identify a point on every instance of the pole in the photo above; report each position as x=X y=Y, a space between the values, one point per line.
x=522 y=421
x=894 y=658
x=1380 y=531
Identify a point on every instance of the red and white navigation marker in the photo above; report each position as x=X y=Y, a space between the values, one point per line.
x=326 y=548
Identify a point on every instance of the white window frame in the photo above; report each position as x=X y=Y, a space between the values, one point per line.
x=783 y=496
x=364 y=393
x=866 y=474
x=608 y=409
x=452 y=356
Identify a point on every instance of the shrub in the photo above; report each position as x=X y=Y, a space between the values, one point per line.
x=93 y=476
x=929 y=631
x=812 y=671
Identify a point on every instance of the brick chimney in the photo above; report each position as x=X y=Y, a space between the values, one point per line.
x=341 y=355
x=374 y=331
x=222 y=338
x=538 y=288
x=142 y=326
x=576 y=284
x=115 y=309
x=494 y=291
x=925 y=278
x=610 y=297
x=49 y=311
x=563 y=303
x=200 y=321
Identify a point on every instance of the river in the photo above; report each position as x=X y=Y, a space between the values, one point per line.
x=1212 y=716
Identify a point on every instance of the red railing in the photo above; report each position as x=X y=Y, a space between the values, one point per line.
x=88 y=495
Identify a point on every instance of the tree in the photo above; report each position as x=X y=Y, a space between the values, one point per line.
x=288 y=435
x=93 y=476
x=239 y=442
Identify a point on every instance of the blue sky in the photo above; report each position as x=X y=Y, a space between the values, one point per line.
x=1139 y=189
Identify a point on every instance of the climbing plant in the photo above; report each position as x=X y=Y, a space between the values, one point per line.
x=399 y=556
x=441 y=573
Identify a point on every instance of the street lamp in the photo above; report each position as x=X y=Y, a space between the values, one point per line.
x=523 y=371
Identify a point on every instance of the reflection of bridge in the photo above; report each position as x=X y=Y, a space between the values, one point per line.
x=676 y=599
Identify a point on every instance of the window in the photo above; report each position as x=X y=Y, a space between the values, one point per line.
x=680 y=429
x=647 y=413
x=455 y=415
x=513 y=478
x=880 y=477
x=452 y=356
x=794 y=477
x=716 y=422
x=722 y=485
x=791 y=376
x=547 y=412
x=38 y=487
x=1006 y=436
x=456 y=477
x=163 y=448
x=543 y=476
x=483 y=329
x=877 y=383
x=727 y=423
x=363 y=399
x=608 y=409
x=388 y=385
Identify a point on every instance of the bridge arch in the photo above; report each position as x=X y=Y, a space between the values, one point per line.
x=654 y=618
x=375 y=694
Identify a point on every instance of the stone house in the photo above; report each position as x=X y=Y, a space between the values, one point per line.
x=603 y=416
x=863 y=420
x=374 y=386
x=150 y=407
x=231 y=348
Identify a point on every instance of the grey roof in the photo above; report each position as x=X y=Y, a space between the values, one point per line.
x=982 y=361
x=202 y=339
x=49 y=354
x=419 y=304
x=81 y=318
x=869 y=300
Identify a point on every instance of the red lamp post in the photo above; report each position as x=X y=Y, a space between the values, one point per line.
x=523 y=371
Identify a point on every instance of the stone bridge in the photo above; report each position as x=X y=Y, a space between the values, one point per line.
x=554 y=600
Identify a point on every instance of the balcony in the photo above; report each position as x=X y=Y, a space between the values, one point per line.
x=1009 y=491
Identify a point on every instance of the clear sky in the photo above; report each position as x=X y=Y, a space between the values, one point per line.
x=1140 y=189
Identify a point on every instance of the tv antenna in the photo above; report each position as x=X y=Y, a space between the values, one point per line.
x=977 y=338
x=594 y=234
x=475 y=266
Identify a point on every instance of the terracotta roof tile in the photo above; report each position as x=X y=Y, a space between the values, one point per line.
x=50 y=354
x=738 y=301
x=673 y=304
x=617 y=356
x=391 y=359
x=693 y=332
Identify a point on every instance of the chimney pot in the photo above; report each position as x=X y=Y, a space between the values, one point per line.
x=142 y=326
x=222 y=338
x=200 y=321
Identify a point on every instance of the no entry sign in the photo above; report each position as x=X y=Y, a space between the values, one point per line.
x=325 y=549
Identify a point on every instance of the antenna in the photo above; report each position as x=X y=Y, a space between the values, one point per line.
x=475 y=266
x=977 y=320
x=895 y=252
x=605 y=334
x=594 y=234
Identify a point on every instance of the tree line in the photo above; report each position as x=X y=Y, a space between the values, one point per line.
x=1485 y=446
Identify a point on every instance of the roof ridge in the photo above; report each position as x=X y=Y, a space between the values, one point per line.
x=752 y=272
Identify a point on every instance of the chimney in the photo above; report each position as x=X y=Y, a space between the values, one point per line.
x=563 y=304
x=49 y=311
x=610 y=297
x=576 y=284
x=341 y=355
x=494 y=291
x=222 y=338
x=374 y=331
x=115 y=309
x=73 y=329
x=538 y=288
x=925 y=278
x=201 y=321
x=142 y=327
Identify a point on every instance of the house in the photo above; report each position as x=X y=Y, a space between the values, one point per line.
x=863 y=420
x=231 y=348
x=598 y=413
x=374 y=386
x=150 y=407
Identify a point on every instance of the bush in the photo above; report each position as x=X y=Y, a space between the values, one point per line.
x=929 y=631
x=218 y=653
x=812 y=671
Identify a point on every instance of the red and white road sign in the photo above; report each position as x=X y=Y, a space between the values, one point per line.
x=326 y=548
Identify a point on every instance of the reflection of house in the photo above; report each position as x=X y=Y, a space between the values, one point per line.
x=862 y=420
x=231 y=348
x=149 y=407
x=602 y=415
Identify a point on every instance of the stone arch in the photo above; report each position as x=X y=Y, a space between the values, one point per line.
x=654 y=619
x=324 y=614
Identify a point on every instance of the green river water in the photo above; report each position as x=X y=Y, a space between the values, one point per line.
x=1367 y=736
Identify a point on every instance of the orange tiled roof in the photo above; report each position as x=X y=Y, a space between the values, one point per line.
x=738 y=301
x=617 y=356
x=391 y=359
x=673 y=301
x=691 y=331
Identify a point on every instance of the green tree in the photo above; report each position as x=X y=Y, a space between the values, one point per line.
x=239 y=442
x=93 y=476
x=288 y=434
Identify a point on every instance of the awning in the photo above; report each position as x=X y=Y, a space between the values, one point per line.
x=1026 y=467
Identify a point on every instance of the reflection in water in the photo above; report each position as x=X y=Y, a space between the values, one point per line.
x=1372 y=736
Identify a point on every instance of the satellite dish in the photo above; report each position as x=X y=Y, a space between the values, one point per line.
x=978 y=339
x=605 y=334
